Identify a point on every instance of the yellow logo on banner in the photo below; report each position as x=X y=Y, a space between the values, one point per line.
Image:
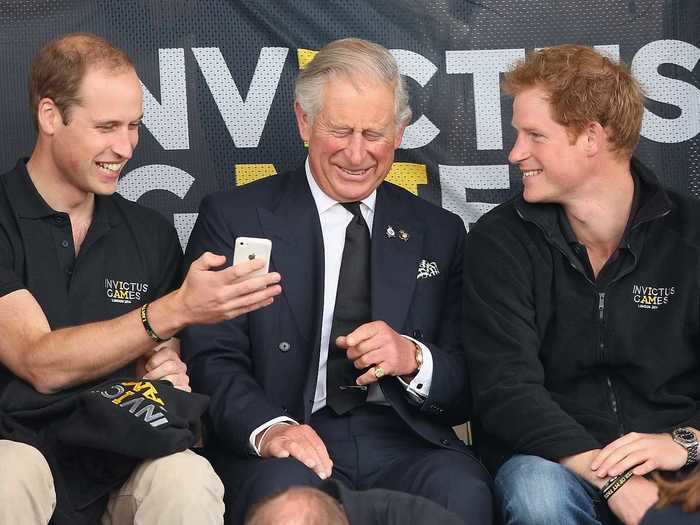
x=304 y=56
x=246 y=173
x=405 y=174
x=408 y=175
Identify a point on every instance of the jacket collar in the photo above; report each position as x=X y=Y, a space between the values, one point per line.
x=653 y=203
x=394 y=261
x=294 y=227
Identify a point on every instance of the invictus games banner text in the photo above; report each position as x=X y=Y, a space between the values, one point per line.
x=218 y=81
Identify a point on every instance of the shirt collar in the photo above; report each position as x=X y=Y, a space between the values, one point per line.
x=323 y=201
x=569 y=234
x=26 y=199
x=29 y=204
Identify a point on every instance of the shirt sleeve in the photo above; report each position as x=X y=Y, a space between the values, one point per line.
x=9 y=280
x=420 y=384
x=170 y=263
x=265 y=427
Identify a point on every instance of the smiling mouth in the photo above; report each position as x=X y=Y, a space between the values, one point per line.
x=355 y=173
x=113 y=167
x=531 y=173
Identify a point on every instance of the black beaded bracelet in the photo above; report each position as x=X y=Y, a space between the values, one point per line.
x=615 y=483
x=147 y=325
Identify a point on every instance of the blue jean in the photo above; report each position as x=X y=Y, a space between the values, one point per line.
x=535 y=491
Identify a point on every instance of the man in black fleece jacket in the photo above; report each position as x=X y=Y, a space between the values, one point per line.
x=582 y=304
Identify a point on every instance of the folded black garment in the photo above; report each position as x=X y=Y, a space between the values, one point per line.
x=94 y=436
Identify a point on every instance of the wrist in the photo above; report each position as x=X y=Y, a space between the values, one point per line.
x=165 y=315
x=268 y=432
x=417 y=360
x=615 y=483
x=687 y=438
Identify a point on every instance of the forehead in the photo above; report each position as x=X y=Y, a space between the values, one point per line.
x=111 y=93
x=532 y=105
x=357 y=102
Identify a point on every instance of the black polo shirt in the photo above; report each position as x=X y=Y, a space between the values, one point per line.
x=130 y=255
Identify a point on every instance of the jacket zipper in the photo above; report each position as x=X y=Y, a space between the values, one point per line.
x=601 y=308
x=601 y=346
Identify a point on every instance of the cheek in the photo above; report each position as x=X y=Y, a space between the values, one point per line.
x=383 y=153
x=331 y=150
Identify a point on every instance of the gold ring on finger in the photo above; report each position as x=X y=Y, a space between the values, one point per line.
x=378 y=372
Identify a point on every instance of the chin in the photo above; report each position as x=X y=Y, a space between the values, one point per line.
x=354 y=194
x=105 y=189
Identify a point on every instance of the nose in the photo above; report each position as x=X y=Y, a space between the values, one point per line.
x=356 y=149
x=519 y=151
x=124 y=142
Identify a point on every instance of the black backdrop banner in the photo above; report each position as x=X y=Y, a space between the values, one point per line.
x=218 y=83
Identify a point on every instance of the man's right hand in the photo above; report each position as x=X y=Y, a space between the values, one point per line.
x=298 y=441
x=210 y=295
x=633 y=499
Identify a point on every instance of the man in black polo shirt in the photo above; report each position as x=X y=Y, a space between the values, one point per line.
x=88 y=280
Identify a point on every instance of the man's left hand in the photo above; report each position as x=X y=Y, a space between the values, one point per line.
x=644 y=452
x=376 y=344
x=164 y=362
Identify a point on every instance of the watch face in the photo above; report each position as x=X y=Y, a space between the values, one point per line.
x=684 y=436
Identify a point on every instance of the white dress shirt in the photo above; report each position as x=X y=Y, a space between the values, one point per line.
x=334 y=220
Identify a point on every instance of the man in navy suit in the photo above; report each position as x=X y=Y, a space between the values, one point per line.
x=284 y=410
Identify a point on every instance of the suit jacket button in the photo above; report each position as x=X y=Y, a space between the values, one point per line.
x=284 y=346
x=444 y=442
x=417 y=334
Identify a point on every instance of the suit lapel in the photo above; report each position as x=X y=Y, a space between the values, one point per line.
x=394 y=261
x=297 y=252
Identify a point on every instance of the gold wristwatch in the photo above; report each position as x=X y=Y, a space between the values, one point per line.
x=419 y=355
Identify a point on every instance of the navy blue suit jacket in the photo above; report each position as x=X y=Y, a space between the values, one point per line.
x=265 y=364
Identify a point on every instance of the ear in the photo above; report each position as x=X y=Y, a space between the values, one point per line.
x=399 y=135
x=48 y=116
x=303 y=122
x=595 y=138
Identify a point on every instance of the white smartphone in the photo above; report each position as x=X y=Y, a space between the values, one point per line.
x=249 y=248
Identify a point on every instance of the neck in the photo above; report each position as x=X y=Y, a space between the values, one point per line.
x=599 y=218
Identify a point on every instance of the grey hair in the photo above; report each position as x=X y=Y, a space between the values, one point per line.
x=352 y=58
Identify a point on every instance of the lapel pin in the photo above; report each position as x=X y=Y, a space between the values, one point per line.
x=390 y=233
x=403 y=235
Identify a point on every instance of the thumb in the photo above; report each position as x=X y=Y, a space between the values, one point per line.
x=208 y=261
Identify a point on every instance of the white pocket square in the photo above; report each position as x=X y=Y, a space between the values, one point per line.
x=427 y=269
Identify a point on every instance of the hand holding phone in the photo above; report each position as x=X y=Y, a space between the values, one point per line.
x=249 y=248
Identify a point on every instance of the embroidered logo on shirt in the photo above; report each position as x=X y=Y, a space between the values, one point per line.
x=427 y=269
x=652 y=297
x=124 y=291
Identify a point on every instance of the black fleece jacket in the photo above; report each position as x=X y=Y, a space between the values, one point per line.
x=562 y=363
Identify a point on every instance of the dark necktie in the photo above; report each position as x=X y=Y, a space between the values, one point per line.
x=352 y=309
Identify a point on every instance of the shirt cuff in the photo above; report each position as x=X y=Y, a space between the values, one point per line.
x=420 y=385
x=264 y=428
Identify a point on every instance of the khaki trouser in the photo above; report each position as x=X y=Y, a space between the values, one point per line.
x=178 y=489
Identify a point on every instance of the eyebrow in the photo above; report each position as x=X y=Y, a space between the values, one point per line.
x=116 y=122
